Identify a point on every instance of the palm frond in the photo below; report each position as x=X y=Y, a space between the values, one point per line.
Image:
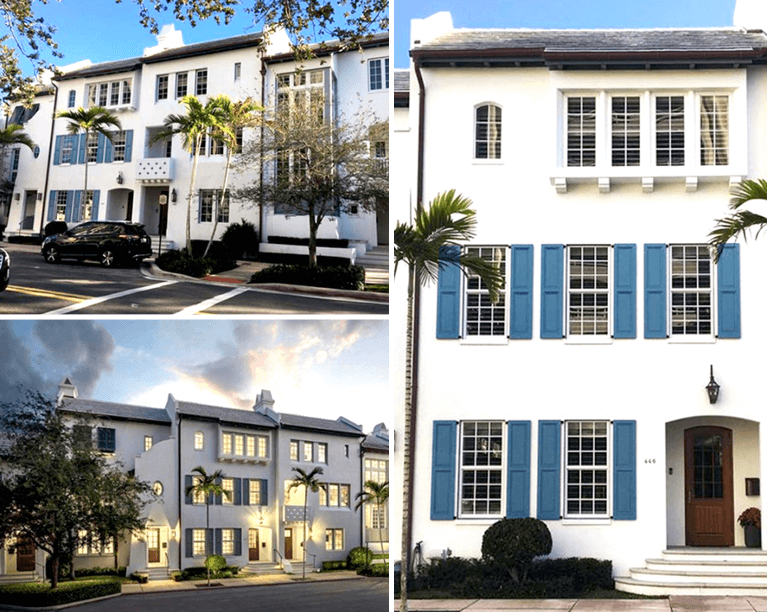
x=740 y=221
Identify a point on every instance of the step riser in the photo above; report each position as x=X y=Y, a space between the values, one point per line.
x=723 y=558
x=715 y=591
x=672 y=578
x=721 y=568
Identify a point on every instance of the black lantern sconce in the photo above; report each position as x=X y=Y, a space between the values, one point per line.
x=712 y=388
x=173 y=195
x=119 y=178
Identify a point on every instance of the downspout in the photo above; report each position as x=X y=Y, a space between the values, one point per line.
x=48 y=163
x=180 y=488
x=362 y=488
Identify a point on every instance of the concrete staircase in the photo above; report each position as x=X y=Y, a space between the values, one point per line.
x=159 y=573
x=167 y=245
x=19 y=577
x=376 y=264
x=700 y=571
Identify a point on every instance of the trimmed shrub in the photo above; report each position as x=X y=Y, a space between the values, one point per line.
x=338 y=243
x=175 y=576
x=514 y=543
x=232 y=569
x=100 y=571
x=587 y=574
x=241 y=239
x=219 y=256
x=140 y=578
x=334 y=565
x=215 y=563
x=295 y=259
x=361 y=556
x=348 y=277
x=182 y=262
x=38 y=594
x=378 y=569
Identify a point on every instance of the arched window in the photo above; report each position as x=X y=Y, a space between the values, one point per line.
x=487 y=132
x=199 y=440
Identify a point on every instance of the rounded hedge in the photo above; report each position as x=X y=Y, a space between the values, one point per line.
x=361 y=556
x=215 y=563
x=514 y=543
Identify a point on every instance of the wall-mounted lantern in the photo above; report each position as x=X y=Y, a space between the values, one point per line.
x=173 y=195
x=712 y=388
x=119 y=178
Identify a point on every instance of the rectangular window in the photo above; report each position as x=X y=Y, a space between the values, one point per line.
x=86 y=207
x=483 y=316
x=227 y=484
x=332 y=495
x=198 y=542
x=588 y=296
x=322 y=453
x=126 y=97
x=208 y=201
x=106 y=439
x=238 y=136
x=344 y=496
x=15 y=156
x=109 y=94
x=669 y=130
x=481 y=465
x=118 y=146
x=378 y=73
x=586 y=469
x=67 y=142
x=714 y=130
x=251 y=446
x=72 y=98
x=227 y=541
x=103 y=93
x=237 y=71
x=255 y=493
x=92 y=148
x=227 y=444
x=199 y=440
x=162 y=87
x=169 y=147
x=691 y=291
x=294 y=450
x=487 y=132
x=581 y=131
x=201 y=82
x=198 y=497
x=263 y=446
x=323 y=494
x=377 y=470
x=239 y=444
x=203 y=148
x=376 y=517
x=308 y=451
x=625 y=130
x=114 y=93
x=334 y=539
x=148 y=441
x=61 y=209
x=182 y=80
x=216 y=147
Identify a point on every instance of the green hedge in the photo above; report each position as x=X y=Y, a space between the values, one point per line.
x=218 y=260
x=360 y=556
x=100 y=571
x=339 y=243
x=340 y=277
x=379 y=569
x=334 y=565
x=38 y=594
x=201 y=573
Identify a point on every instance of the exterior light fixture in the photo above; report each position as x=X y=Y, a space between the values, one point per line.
x=119 y=178
x=712 y=388
x=173 y=195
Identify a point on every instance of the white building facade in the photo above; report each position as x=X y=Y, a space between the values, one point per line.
x=598 y=161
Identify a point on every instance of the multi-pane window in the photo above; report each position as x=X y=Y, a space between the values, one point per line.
x=308 y=451
x=227 y=541
x=106 y=439
x=377 y=470
x=322 y=453
x=294 y=450
x=588 y=274
x=487 y=132
x=378 y=72
x=226 y=448
x=118 y=146
x=332 y=495
x=199 y=440
x=198 y=542
x=254 y=493
x=198 y=497
x=251 y=443
x=67 y=142
x=263 y=446
x=201 y=82
x=92 y=147
x=104 y=93
x=581 y=131
x=376 y=517
x=669 y=130
x=625 y=130
x=237 y=71
x=61 y=205
x=238 y=138
x=343 y=500
x=203 y=147
x=481 y=468
x=126 y=92
x=691 y=290
x=216 y=146
x=111 y=93
x=182 y=82
x=239 y=444
x=148 y=441
x=227 y=484
x=209 y=200
x=334 y=539
x=485 y=317
x=86 y=209
x=114 y=93
x=714 y=130
x=586 y=468
x=72 y=98
x=162 y=87
x=89 y=544
x=15 y=156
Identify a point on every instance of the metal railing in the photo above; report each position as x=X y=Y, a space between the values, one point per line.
x=27 y=223
x=279 y=555
x=314 y=559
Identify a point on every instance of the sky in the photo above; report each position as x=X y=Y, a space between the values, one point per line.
x=321 y=368
x=545 y=14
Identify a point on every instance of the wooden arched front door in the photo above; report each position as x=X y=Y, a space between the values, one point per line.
x=708 y=486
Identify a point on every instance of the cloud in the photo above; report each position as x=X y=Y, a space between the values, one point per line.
x=16 y=370
x=85 y=347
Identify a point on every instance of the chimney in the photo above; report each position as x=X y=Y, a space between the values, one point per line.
x=750 y=15
x=168 y=38
x=265 y=405
x=67 y=390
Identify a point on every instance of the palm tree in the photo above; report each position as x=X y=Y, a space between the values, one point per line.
x=375 y=493
x=310 y=483
x=206 y=486
x=193 y=126
x=11 y=136
x=740 y=220
x=448 y=221
x=234 y=115
x=91 y=121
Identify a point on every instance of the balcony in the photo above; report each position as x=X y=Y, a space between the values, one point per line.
x=155 y=170
x=295 y=514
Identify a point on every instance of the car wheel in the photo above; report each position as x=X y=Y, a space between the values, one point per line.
x=108 y=258
x=52 y=255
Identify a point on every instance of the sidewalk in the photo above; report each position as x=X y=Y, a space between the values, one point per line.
x=675 y=603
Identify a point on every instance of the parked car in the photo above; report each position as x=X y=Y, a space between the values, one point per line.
x=109 y=242
x=5 y=269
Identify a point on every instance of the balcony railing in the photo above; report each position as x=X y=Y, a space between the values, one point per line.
x=295 y=514
x=155 y=170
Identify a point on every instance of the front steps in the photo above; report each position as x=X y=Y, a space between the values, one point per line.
x=19 y=577
x=262 y=568
x=158 y=573
x=700 y=571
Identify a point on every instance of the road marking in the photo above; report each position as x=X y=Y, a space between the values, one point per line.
x=111 y=296
x=197 y=308
x=46 y=293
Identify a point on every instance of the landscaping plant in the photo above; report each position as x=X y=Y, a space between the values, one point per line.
x=514 y=543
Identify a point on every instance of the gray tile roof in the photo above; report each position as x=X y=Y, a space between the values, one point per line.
x=401 y=80
x=378 y=39
x=205 y=48
x=228 y=415
x=113 y=410
x=297 y=421
x=126 y=65
x=374 y=442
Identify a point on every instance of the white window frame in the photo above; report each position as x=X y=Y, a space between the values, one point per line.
x=378 y=74
x=322 y=452
x=72 y=101
x=488 y=141
x=589 y=338
x=254 y=492
x=201 y=82
x=61 y=205
x=163 y=86
x=566 y=469
x=334 y=539
x=198 y=497
x=199 y=441
x=227 y=541
x=91 y=147
x=179 y=77
x=198 y=542
x=67 y=148
x=237 y=71
x=118 y=146
x=377 y=470
x=148 y=442
x=625 y=133
x=227 y=484
x=293 y=450
x=308 y=455
x=262 y=447
x=227 y=443
x=690 y=338
x=700 y=113
x=103 y=93
x=500 y=468
x=501 y=338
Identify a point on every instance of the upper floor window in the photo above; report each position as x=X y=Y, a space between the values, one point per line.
x=588 y=295
x=305 y=89
x=669 y=130
x=182 y=82
x=377 y=470
x=625 y=130
x=110 y=93
x=691 y=290
x=378 y=74
x=72 y=98
x=481 y=468
x=237 y=71
x=15 y=156
x=294 y=450
x=198 y=497
x=106 y=439
x=714 y=130
x=162 y=87
x=67 y=146
x=199 y=440
x=581 y=131
x=322 y=453
x=487 y=132
x=484 y=317
x=227 y=484
x=118 y=146
x=308 y=451
x=201 y=82
x=210 y=200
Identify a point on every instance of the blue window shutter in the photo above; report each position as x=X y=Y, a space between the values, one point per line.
x=548 y=470
x=68 y=207
x=246 y=491
x=521 y=306
x=218 y=496
x=625 y=322
x=518 y=472
x=188 y=482
x=57 y=151
x=443 y=471
x=728 y=291
x=128 y=145
x=624 y=471
x=81 y=149
x=108 y=150
x=237 y=492
x=100 y=148
x=76 y=206
x=52 y=206
x=237 y=542
x=189 y=542
x=208 y=541
x=75 y=147
x=219 y=541
x=449 y=295
x=95 y=210
x=552 y=290
x=264 y=498
x=655 y=291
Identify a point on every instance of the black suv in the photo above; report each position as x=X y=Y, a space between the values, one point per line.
x=5 y=269
x=108 y=242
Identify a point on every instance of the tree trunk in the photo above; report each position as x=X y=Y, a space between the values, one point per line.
x=72 y=575
x=306 y=499
x=116 y=550
x=223 y=195
x=197 y=141
x=84 y=199
x=54 y=571
x=380 y=534
x=313 y=226
x=207 y=529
